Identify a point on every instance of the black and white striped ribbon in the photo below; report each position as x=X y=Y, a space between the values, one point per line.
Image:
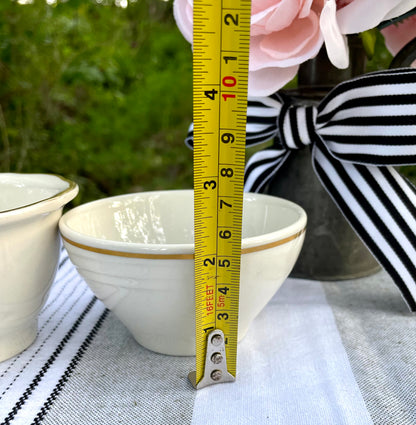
x=357 y=133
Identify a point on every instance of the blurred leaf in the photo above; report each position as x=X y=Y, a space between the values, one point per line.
x=369 y=38
x=381 y=58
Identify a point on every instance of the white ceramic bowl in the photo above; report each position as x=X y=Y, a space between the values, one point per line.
x=30 y=208
x=136 y=253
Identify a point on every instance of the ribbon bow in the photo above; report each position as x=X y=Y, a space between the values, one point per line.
x=357 y=133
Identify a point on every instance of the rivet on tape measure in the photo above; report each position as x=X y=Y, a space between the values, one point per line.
x=220 y=74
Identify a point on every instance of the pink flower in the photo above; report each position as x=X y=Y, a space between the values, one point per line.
x=340 y=17
x=284 y=34
x=398 y=35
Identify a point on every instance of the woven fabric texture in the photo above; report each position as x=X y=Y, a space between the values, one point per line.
x=379 y=335
x=319 y=353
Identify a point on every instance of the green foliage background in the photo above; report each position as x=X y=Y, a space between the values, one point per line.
x=97 y=93
x=101 y=94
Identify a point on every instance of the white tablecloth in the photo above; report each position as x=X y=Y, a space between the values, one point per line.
x=320 y=353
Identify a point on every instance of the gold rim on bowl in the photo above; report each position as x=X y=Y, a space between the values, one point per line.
x=71 y=186
x=178 y=256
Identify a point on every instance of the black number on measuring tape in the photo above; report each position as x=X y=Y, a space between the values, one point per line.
x=227 y=138
x=210 y=184
x=229 y=58
x=227 y=172
x=224 y=290
x=225 y=234
x=224 y=263
x=210 y=94
x=222 y=202
x=221 y=316
x=209 y=261
x=228 y=19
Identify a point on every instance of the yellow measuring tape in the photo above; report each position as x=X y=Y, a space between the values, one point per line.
x=220 y=63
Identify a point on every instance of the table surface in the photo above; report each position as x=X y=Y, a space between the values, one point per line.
x=320 y=353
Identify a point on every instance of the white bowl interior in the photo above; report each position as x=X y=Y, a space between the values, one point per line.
x=19 y=190
x=167 y=217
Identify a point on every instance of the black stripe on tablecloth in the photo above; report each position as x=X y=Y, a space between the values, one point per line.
x=72 y=365
x=63 y=261
x=45 y=339
x=63 y=282
x=29 y=390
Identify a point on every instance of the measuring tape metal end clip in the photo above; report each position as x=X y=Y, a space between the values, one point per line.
x=215 y=371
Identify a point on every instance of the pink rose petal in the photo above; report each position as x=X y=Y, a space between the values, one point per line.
x=306 y=8
x=292 y=40
x=282 y=16
x=266 y=81
x=259 y=6
x=335 y=42
x=182 y=11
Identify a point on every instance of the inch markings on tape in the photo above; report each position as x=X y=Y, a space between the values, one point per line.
x=220 y=75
